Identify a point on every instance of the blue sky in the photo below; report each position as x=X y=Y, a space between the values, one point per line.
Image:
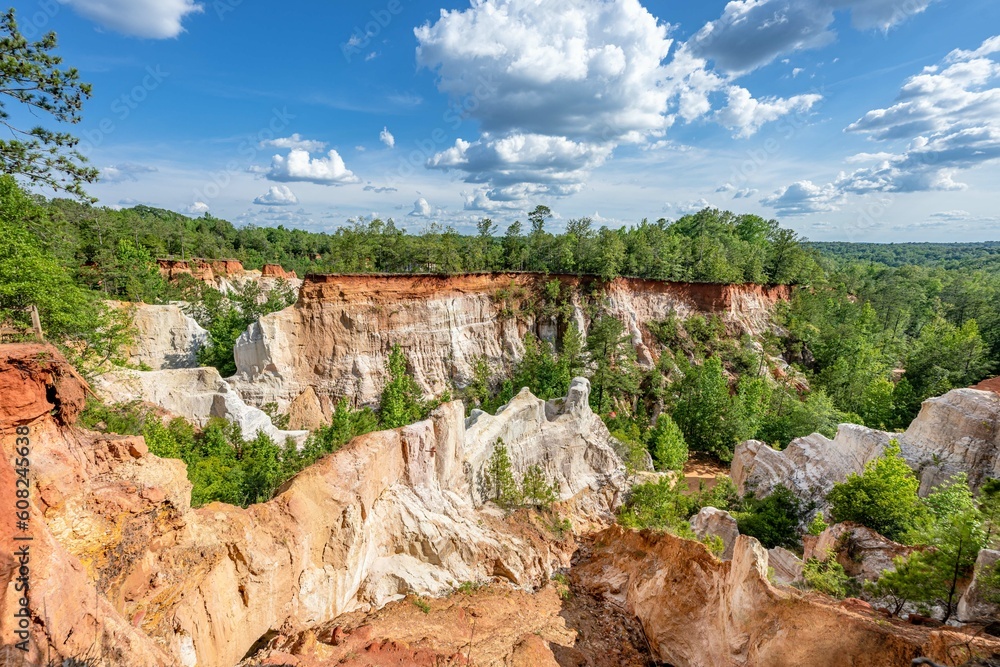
x=864 y=120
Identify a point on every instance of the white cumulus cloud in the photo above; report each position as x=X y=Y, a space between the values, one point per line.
x=745 y=115
x=197 y=208
x=385 y=136
x=421 y=208
x=299 y=166
x=277 y=195
x=521 y=165
x=945 y=119
x=557 y=87
x=294 y=142
x=805 y=197
x=587 y=69
x=125 y=171
x=155 y=19
x=752 y=33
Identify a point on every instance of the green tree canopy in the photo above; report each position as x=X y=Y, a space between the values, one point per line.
x=883 y=498
x=30 y=75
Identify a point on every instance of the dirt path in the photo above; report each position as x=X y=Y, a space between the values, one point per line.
x=703 y=470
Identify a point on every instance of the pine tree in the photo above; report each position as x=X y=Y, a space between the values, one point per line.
x=498 y=478
x=401 y=400
x=883 y=497
x=667 y=445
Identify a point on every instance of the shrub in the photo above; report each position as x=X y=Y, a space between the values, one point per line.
x=667 y=445
x=817 y=525
x=774 y=519
x=401 y=404
x=658 y=505
x=536 y=489
x=498 y=478
x=826 y=576
x=883 y=498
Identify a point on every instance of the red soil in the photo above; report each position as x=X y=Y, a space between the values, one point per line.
x=386 y=288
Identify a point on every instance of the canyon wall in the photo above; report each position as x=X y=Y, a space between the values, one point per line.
x=166 y=336
x=391 y=513
x=698 y=611
x=954 y=433
x=226 y=275
x=335 y=340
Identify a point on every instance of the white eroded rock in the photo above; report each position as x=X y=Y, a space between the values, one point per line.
x=166 y=337
x=809 y=466
x=957 y=432
x=197 y=394
x=973 y=607
x=563 y=436
x=712 y=521
x=786 y=566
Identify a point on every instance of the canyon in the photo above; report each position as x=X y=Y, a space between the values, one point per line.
x=336 y=563
x=335 y=340
x=388 y=551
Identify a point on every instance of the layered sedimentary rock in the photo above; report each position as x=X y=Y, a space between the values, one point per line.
x=65 y=615
x=197 y=394
x=786 y=566
x=698 y=611
x=974 y=607
x=391 y=513
x=563 y=437
x=710 y=521
x=809 y=466
x=336 y=339
x=862 y=551
x=166 y=337
x=226 y=275
x=955 y=433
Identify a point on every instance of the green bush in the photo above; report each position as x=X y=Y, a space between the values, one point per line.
x=774 y=519
x=658 y=505
x=401 y=400
x=667 y=445
x=499 y=482
x=222 y=465
x=536 y=490
x=817 y=525
x=883 y=498
x=826 y=576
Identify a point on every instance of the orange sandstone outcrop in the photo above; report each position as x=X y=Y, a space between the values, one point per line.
x=125 y=562
x=67 y=613
x=276 y=271
x=336 y=339
x=36 y=380
x=698 y=611
x=495 y=626
x=992 y=384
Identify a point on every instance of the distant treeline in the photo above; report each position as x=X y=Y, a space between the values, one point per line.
x=709 y=246
x=968 y=256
